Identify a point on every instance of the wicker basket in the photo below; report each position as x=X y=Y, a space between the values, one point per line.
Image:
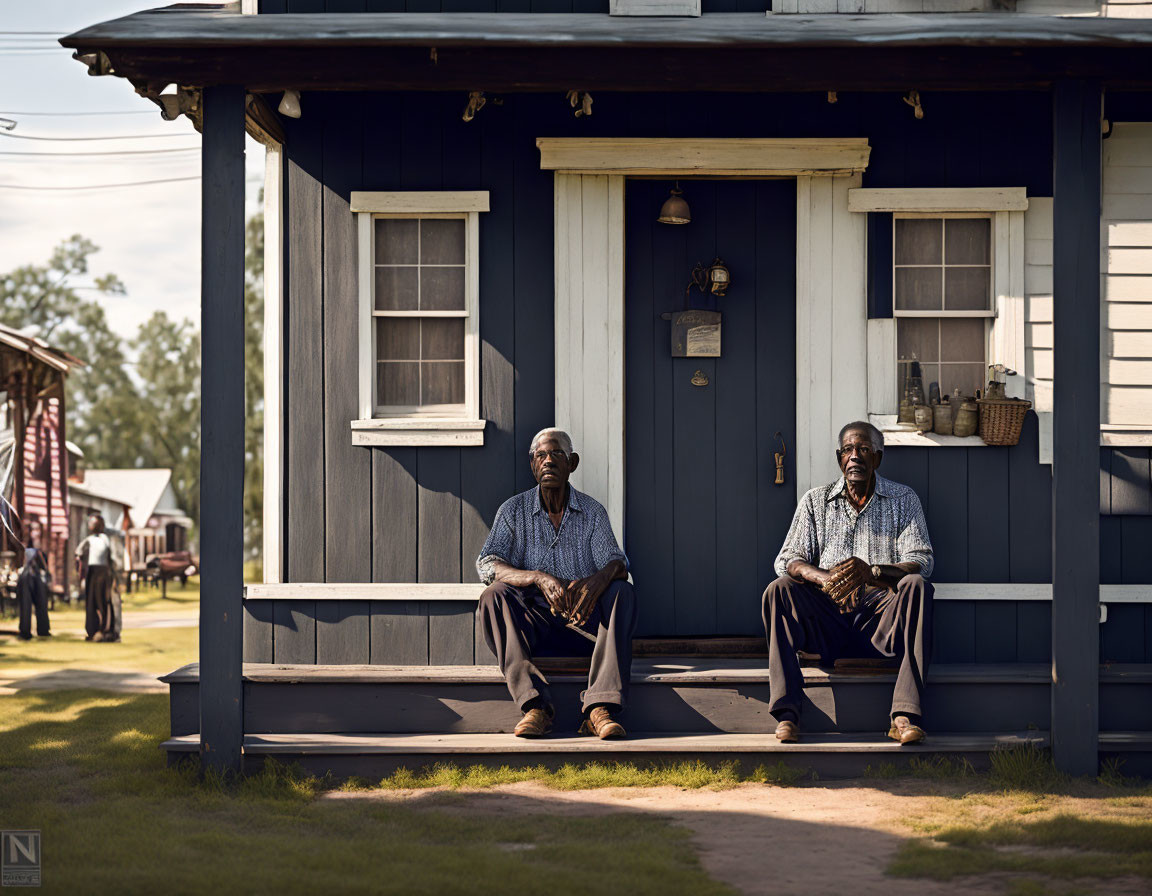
x=1001 y=419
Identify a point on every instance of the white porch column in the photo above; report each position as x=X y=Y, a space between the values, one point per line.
x=590 y=332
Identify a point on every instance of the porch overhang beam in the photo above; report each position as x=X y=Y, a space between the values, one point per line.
x=544 y=52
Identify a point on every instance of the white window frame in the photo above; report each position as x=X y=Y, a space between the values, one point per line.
x=419 y=427
x=1005 y=207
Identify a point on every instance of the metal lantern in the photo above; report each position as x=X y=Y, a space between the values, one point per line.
x=675 y=210
x=718 y=276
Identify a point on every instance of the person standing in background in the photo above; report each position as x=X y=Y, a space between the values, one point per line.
x=32 y=593
x=101 y=597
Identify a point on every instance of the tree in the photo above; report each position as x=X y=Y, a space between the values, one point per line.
x=254 y=385
x=168 y=405
x=101 y=397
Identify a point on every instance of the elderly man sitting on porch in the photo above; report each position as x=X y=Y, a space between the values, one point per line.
x=552 y=563
x=853 y=583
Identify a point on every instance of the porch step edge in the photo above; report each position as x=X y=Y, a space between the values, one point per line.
x=671 y=670
x=470 y=744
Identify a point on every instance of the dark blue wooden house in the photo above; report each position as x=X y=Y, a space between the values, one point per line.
x=463 y=247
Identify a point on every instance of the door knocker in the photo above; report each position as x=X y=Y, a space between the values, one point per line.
x=699 y=378
x=780 y=460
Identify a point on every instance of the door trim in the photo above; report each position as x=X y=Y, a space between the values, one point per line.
x=831 y=326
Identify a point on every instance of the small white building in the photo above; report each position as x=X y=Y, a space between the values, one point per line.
x=156 y=523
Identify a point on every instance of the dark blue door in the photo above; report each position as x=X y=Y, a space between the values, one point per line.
x=703 y=517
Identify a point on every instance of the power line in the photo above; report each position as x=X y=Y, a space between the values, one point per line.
x=73 y=139
x=135 y=183
x=70 y=114
x=110 y=152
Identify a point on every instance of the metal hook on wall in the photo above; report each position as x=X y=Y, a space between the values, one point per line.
x=780 y=459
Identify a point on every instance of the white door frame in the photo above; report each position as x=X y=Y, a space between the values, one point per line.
x=831 y=324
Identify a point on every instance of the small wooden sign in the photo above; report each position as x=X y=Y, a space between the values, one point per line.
x=695 y=333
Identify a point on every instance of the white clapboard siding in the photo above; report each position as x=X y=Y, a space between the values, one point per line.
x=590 y=310
x=1127 y=9
x=1038 y=315
x=1126 y=262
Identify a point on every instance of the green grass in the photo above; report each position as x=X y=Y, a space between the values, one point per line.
x=84 y=767
x=1063 y=846
x=154 y=651
x=689 y=775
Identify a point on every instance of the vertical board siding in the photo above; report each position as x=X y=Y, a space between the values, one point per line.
x=398 y=633
x=421 y=514
x=259 y=629
x=347 y=468
x=304 y=398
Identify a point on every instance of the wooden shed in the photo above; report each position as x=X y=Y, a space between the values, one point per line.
x=33 y=456
x=463 y=247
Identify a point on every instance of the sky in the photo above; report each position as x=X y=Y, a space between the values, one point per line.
x=148 y=235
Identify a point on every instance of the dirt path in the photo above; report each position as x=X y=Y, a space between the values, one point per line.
x=833 y=839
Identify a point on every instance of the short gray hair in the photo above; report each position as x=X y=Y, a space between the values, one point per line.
x=559 y=435
x=873 y=433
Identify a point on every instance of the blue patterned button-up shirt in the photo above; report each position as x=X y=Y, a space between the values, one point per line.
x=523 y=537
x=827 y=529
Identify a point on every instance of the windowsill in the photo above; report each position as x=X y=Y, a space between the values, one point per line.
x=453 y=432
x=903 y=437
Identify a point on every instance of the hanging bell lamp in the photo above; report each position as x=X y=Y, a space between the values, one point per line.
x=675 y=210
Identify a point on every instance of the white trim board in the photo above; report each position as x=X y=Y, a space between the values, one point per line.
x=1110 y=594
x=273 y=561
x=939 y=199
x=672 y=156
x=589 y=332
x=415 y=202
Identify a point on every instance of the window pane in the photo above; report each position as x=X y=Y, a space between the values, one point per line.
x=442 y=241
x=967 y=240
x=929 y=373
x=398 y=383
x=443 y=382
x=962 y=339
x=442 y=339
x=967 y=289
x=442 y=289
x=965 y=377
x=396 y=241
x=918 y=241
x=918 y=338
x=397 y=338
x=396 y=289
x=918 y=289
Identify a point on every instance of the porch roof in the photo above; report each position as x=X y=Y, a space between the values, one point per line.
x=200 y=46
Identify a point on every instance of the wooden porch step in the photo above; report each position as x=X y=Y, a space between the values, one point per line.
x=710 y=696
x=829 y=755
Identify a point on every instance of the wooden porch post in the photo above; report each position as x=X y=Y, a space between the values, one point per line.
x=222 y=428
x=1076 y=426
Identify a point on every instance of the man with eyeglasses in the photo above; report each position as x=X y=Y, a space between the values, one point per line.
x=853 y=583
x=552 y=564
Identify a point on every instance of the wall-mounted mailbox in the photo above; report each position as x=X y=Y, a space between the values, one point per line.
x=695 y=333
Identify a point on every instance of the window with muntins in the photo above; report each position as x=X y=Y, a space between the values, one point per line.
x=420 y=312
x=419 y=293
x=942 y=271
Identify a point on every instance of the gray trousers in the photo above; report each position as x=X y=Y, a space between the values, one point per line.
x=799 y=616
x=518 y=621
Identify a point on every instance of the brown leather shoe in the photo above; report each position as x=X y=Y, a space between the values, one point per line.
x=536 y=722
x=905 y=732
x=601 y=723
x=788 y=732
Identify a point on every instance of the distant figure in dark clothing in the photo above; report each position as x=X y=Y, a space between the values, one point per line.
x=32 y=593
x=101 y=598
